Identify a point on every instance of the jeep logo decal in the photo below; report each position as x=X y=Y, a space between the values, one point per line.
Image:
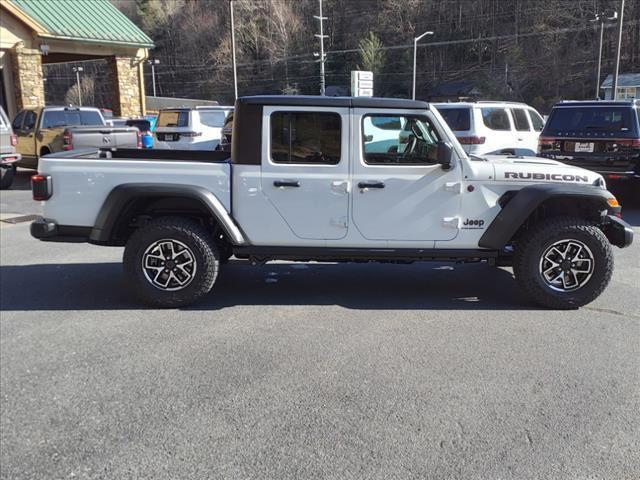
x=558 y=177
x=473 y=224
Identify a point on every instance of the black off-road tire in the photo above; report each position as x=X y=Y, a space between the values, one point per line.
x=527 y=255
x=189 y=233
x=6 y=176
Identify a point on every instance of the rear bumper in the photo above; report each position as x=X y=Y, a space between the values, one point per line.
x=618 y=231
x=9 y=158
x=50 y=231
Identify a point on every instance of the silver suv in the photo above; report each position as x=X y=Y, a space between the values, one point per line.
x=8 y=155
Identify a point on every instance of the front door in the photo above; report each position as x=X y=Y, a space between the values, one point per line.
x=305 y=169
x=27 y=140
x=400 y=193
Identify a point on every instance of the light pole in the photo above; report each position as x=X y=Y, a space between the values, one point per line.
x=153 y=62
x=617 y=69
x=77 y=70
x=233 y=52
x=322 y=55
x=600 y=18
x=415 y=55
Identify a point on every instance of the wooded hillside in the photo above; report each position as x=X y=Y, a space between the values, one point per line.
x=537 y=51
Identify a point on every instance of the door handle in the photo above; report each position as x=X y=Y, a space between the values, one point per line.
x=286 y=183
x=371 y=185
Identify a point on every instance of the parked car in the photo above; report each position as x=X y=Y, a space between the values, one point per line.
x=227 y=130
x=603 y=136
x=8 y=154
x=307 y=180
x=197 y=128
x=45 y=130
x=494 y=127
x=144 y=126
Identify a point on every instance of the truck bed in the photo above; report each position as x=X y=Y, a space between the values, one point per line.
x=84 y=178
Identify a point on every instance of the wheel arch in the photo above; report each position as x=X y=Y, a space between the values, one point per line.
x=127 y=200
x=535 y=202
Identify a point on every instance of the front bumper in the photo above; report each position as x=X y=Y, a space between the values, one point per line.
x=618 y=231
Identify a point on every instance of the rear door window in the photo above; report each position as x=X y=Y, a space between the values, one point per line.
x=520 y=119
x=173 y=119
x=306 y=137
x=495 y=118
x=30 y=120
x=536 y=120
x=458 y=119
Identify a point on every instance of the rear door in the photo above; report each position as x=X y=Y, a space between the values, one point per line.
x=400 y=193
x=499 y=130
x=526 y=136
x=305 y=169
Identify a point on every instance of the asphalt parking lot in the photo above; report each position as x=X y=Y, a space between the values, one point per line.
x=310 y=371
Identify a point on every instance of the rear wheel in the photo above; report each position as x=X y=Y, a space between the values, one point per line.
x=171 y=262
x=7 y=173
x=564 y=263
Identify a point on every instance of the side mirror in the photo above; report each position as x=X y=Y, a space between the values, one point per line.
x=445 y=155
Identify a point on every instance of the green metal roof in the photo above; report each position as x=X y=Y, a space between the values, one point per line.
x=90 y=20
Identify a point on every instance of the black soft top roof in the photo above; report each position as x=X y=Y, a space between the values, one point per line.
x=320 y=101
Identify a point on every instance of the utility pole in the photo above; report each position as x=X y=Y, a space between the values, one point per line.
x=322 y=55
x=415 y=57
x=153 y=62
x=617 y=69
x=601 y=18
x=233 y=53
x=78 y=70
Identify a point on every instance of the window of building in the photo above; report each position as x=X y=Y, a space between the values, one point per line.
x=520 y=119
x=625 y=93
x=305 y=137
x=413 y=141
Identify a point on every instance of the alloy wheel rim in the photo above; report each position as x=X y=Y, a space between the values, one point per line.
x=169 y=265
x=566 y=265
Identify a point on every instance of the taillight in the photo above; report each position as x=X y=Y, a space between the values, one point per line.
x=67 y=140
x=14 y=140
x=471 y=140
x=633 y=143
x=546 y=141
x=138 y=139
x=41 y=187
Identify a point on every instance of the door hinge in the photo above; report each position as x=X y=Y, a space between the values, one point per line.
x=453 y=187
x=452 y=222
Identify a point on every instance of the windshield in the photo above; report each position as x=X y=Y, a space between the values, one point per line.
x=70 y=118
x=591 y=119
x=168 y=118
x=458 y=119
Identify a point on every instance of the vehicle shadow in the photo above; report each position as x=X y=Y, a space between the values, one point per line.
x=424 y=286
x=22 y=179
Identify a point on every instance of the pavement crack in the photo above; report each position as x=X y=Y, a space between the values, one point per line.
x=612 y=312
x=529 y=439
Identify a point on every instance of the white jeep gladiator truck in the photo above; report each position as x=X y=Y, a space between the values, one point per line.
x=333 y=179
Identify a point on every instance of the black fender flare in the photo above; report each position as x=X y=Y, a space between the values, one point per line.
x=526 y=200
x=122 y=195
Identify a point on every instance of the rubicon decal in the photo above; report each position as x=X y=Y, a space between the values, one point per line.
x=556 y=177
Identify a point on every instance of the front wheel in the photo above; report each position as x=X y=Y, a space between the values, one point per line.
x=564 y=263
x=171 y=262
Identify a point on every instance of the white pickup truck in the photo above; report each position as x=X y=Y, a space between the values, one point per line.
x=333 y=179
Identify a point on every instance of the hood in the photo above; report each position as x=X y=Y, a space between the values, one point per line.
x=536 y=169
